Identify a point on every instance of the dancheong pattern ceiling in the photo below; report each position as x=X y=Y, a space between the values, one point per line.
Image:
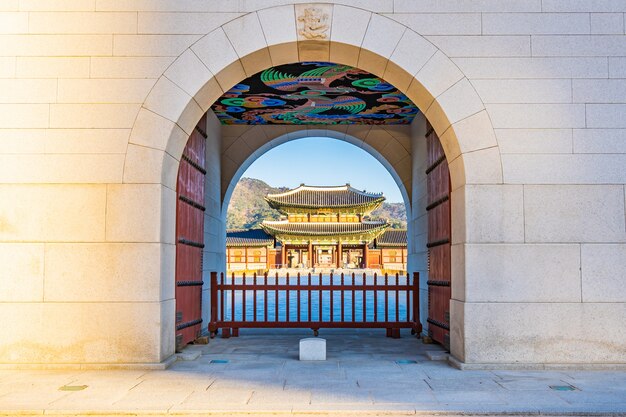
x=314 y=93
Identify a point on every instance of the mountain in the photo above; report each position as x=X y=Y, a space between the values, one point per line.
x=248 y=208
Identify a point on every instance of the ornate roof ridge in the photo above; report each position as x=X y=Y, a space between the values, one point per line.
x=328 y=188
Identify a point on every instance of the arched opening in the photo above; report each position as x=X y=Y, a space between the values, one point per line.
x=326 y=94
x=314 y=161
x=387 y=49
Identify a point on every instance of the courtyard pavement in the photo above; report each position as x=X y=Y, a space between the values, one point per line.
x=365 y=374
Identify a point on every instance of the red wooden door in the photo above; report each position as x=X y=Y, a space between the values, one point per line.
x=190 y=238
x=439 y=237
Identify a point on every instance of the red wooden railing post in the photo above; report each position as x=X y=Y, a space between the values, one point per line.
x=232 y=297
x=417 y=324
x=243 y=297
x=265 y=297
x=213 y=320
x=332 y=294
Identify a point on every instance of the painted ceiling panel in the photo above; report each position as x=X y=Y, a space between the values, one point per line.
x=314 y=93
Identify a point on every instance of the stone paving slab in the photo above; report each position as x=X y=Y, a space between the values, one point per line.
x=364 y=374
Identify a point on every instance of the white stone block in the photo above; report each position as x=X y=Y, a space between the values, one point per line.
x=478 y=167
x=543 y=332
x=13 y=22
x=440 y=23
x=86 y=141
x=28 y=91
x=27 y=141
x=104 y=90
x=600 y=140
x=125 y=332
x=522 y=273
x=93 y=115
x=52 y=67
x=535 y=23
x=435 y=77
x=103 y=272
x=129 y=67
x=217 y=53
x=377 y=6
x=21 y=272
x=313 y=349
x=607 y=23
x=583 y=6
x=599 y=91
x=564 y=168
x=382 y=35
x=606 y=115
x=536 y=141
x=537 y=115
x=151 y=45
x=127 y=219
x=82 y=22
x=181 y=23
x=146 y=166
x=457 y=103
x=170 y=101
x=7 y=67
x=482 y=46
x=279 y=24
x=436 y=6
x=471 y=134
x=24 y=116
x=603 y=273
x=61 y=168
x=493 y=213
x=58 y=5
x=10 y=5
x=520 y=68
x=152 y=130
x=349 y=25
x=168 y=6
x=617 y=67
x=524 y=91
x=579 y=45
x=574 y=213
x=245 y=34
x=49 y=213
x=55 y=45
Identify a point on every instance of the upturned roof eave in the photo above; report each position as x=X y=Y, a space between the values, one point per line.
x=277 y=232
x=279 y=205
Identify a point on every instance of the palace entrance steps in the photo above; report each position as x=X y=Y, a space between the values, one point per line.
x=259 y=372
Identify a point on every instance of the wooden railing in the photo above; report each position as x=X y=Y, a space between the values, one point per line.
x=315 y=302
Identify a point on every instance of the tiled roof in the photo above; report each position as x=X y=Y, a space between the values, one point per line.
x=310 y=196
x=392 y=237
x=322 y=229
x=251 y=237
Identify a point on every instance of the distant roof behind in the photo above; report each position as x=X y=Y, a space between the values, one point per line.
x=250 y=237
x=392 y=238
x=331 y=197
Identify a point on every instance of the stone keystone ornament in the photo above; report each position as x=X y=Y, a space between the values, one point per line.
x=314 y=23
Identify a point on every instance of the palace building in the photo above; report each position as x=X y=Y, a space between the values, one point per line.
x=322 y=227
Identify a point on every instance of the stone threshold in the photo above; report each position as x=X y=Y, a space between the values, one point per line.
x=347 y=411
x=535 y=366
x=147 y=366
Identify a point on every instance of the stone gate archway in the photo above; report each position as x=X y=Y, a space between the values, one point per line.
x=356 y=37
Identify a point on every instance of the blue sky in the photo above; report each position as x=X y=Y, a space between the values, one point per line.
x=323 y=161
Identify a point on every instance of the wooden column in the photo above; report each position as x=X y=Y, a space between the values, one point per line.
x=365 y=253
x=310 y=257
x=245 y=254
x=283 y=255
x=339 y=255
